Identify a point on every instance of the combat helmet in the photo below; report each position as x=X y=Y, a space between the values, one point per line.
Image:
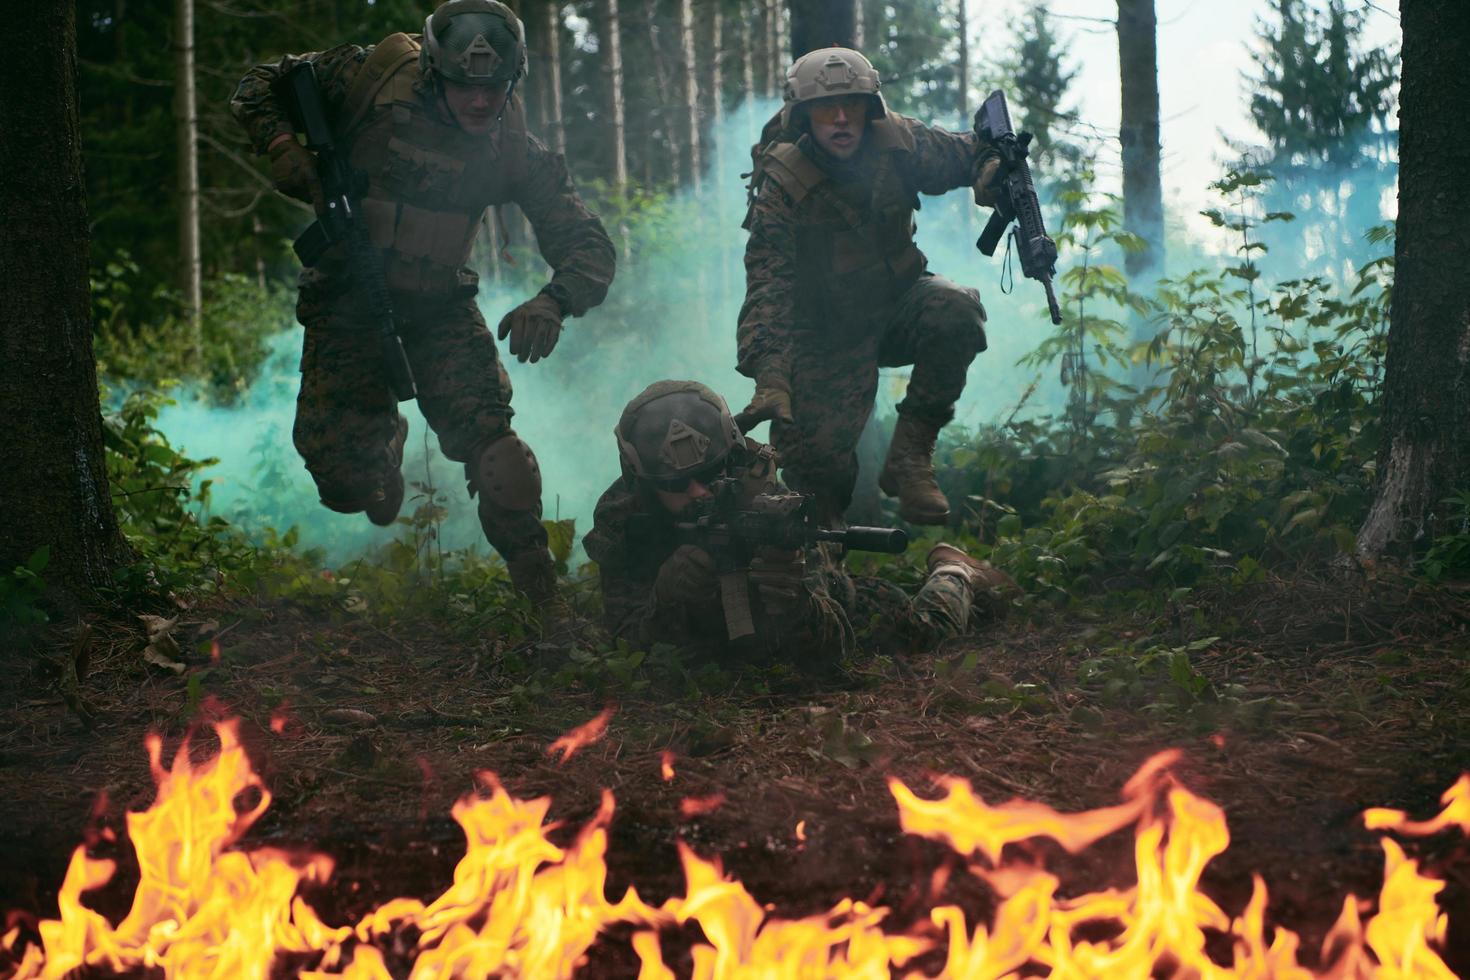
x=675 y=431
x=827 y=72
x=474 y=42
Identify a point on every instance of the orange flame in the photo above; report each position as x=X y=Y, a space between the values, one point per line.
x=521 y=906
x=583 y=735
x=666 y=765
x=697 y=806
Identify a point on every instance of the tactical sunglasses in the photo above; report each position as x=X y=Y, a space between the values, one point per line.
x=680 y=484
x=826 y=110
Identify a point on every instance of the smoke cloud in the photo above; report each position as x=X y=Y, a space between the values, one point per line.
x=671 y=314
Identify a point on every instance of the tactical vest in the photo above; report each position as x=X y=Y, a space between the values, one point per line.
x=428 y=181
x=853 y=258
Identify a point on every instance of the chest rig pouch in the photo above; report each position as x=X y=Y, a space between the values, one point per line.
x=855 y=252
x=428 y=181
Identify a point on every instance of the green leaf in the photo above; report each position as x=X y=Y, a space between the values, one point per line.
x=39 y=559
x=559 y=538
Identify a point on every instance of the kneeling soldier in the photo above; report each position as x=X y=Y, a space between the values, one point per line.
x=676 y=441
x=836 y=286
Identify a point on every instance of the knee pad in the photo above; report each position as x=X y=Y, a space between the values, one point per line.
x=506 y=474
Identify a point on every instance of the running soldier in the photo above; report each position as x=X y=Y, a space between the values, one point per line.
x=435 y=128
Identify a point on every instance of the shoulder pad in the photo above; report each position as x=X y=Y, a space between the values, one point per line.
x=792 y=170
x=891 y=132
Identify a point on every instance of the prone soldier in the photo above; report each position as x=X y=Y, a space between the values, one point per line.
x=678 y=443
x=836 y=286
x=433 y=128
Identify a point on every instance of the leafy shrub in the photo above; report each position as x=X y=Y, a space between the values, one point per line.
x=237 y=319
x=1225 y=448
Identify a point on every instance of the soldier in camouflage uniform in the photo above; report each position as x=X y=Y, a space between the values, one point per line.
x=674 y=440
x=836 y=287
x=435 y=126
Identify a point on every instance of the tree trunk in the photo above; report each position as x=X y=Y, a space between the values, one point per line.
x=717 y=92
x=689 y=71
x=613 y=46
x=661 y=76
x=962 y=83
x=747 y=60
x=556 y=130
x=822 y=24
x=1143 y=190
x=783 y=45
x=53 y=488
x=1425 y=455
x=186 y=117
x=772 y=50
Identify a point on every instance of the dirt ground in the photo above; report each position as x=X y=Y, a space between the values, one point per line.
x=1325 y=697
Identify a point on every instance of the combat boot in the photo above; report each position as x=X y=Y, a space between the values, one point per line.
x=908 y=473
x=383 y=509
x=982 y=577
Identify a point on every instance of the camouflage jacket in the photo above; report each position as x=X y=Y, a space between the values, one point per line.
x=569 y=236
x=916 y=158
x=631 y=538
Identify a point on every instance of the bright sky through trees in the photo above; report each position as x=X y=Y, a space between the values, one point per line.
x=1203 y=60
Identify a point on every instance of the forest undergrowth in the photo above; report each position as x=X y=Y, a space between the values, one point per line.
x=1218 y=429
x=1182 y=529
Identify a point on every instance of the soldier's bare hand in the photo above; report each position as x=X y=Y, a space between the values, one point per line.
x=293 y=171
x=533 y=328
x=771 y=401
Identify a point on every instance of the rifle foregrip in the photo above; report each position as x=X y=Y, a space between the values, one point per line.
x=994 y=229
x=888 y=540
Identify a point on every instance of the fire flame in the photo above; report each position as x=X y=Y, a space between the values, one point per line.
x=520 y=906
x=582 y=736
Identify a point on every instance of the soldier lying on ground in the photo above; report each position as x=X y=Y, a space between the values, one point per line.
x=836 y=287
x=435 y=127
x=677 y=439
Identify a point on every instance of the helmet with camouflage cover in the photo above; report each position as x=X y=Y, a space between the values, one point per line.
x=474 y=42
x=674 y=431
x=827 y=72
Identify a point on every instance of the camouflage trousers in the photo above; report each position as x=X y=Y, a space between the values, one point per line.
x=347 y=415
x=881 y=613
x=937 y=326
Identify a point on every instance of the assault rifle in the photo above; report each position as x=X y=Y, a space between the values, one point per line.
x=734 y=528
x=342 y=187
x=1017 y=199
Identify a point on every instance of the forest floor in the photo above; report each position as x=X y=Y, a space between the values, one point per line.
x=1320 y=697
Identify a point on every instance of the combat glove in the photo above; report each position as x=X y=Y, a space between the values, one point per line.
x=533 y=328
x=687 y=578
x=984 y=186
x=293 y=171
x=771 y=401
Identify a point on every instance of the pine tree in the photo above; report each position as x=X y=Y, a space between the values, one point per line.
x=1037 y=84
x=1323 y=103
x=1424 y=461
